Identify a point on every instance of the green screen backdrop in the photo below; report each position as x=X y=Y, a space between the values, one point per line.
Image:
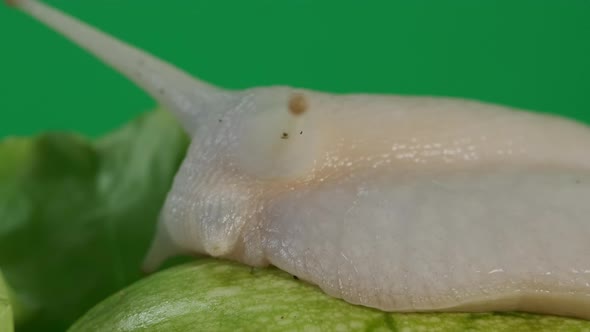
x=531 y=54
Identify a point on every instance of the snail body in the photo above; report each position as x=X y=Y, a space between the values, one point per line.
x=393 y=202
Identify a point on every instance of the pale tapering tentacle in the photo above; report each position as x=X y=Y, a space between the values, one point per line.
x=187 y=97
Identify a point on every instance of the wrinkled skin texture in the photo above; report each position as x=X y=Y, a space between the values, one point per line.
x=402 y=215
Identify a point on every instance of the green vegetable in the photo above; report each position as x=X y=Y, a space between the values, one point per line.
x=77 y=217
x=214 y=295
x=6 y=323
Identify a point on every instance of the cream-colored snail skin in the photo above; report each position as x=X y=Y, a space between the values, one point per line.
x=398 y=203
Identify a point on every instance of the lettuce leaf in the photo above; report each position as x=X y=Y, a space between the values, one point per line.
x=76 y=216
x=6 y=323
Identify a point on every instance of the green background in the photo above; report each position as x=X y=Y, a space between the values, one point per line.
x=529 y=53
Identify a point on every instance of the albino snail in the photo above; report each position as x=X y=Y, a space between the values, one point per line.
x=397 y=203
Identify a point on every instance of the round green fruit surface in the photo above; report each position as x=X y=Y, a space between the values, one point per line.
x=214 y=295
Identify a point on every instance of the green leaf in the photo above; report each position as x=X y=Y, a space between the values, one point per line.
x=77 y=216
x=213 y=295
x=6 y=323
